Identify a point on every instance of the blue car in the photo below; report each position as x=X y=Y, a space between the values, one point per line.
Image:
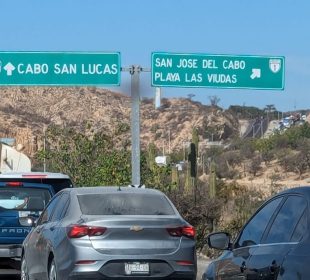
x=20 y=204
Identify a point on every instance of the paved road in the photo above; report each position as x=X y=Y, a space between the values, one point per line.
x=202 y=264
x=9 y=274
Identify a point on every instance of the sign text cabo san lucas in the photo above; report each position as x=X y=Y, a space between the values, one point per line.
x=52 y=68
x=197 y=70
x=62 y=69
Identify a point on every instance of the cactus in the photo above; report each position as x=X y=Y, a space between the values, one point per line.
x=175 y=178
x=212 y=180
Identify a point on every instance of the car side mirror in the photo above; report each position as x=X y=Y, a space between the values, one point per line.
x=219 y=240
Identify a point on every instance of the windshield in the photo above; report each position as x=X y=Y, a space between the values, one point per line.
x=57 y=183
x=125 y=204
x=23 y=198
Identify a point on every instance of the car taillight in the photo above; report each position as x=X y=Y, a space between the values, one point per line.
x=34 y=176
x=77 y=231
x=187 y=231
x=14 y=184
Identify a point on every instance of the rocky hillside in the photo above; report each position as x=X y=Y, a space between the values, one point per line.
x=26 y=111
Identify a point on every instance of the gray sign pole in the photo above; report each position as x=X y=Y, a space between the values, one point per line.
x=135 y=124
x=135 y=71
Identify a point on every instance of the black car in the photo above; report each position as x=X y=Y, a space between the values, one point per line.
x=273 y=244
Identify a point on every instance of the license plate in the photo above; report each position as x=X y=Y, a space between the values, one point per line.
x=137 y=268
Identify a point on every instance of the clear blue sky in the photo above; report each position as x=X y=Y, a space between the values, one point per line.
x=136 y=28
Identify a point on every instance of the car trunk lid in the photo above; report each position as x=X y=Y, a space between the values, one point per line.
x=138 y=235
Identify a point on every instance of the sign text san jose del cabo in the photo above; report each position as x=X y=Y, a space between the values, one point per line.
x=220 y=71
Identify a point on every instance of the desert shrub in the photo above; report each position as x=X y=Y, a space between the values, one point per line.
x=154 y=128
x=297 y=162
x=158 y=135
x=199 y=210
x=224 y=169
x=245 y=203
x=214 y=152
x=247 y=149
x=122 y=128
x=254 y=165
x=284 y=158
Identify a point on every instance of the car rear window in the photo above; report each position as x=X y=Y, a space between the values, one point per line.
x=125 y=204
x=23 y=198
x=57 y=183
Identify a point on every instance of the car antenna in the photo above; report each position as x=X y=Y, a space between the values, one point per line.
x=140 y=186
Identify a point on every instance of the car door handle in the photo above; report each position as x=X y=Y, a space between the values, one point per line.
x=274 y=267
x=38 y=230
x=243 y=267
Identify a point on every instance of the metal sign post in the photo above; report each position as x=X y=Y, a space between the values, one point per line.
x=135 y=124
x=135 y=71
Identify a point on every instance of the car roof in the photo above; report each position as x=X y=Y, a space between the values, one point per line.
x=34 y=175
x=111 y=190
x=304 y=190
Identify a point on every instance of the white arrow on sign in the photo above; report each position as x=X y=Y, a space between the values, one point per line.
x=9 y=68
x=256 y=73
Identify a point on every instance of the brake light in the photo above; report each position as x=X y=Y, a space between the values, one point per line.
x=77 y=231
x=33 y=176
x=187 y=231
x=14 y=184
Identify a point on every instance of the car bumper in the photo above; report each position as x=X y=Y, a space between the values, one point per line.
x=99 y=276
x=10 y=251
x=115 y=270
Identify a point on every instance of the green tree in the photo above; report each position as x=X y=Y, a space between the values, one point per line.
x=88 y=161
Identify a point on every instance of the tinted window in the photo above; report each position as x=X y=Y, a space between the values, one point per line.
x=300 y=229
x=253 y=231
x=47 y=213
x=61 y=206
x=24 y=198
x=286 y=220
x=125 y=204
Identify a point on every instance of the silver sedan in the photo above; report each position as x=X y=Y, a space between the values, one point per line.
x=110 y=233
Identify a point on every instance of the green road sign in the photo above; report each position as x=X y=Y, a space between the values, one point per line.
x=219 y=71
x=59 y=68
